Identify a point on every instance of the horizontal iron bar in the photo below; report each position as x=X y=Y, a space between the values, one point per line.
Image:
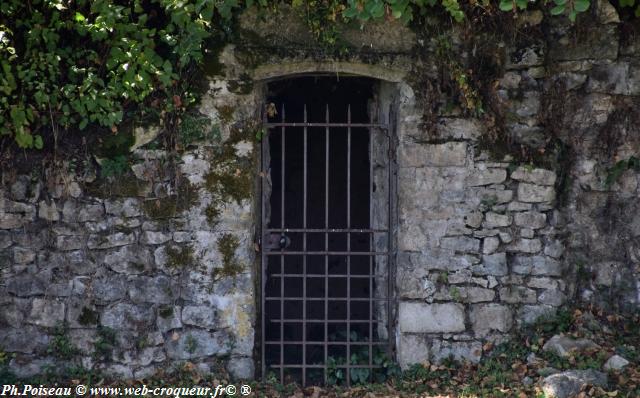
x=330 y=276
x=297 y=124
x=307 y=343
x=331 y=230
x=285 y=366
x=272 y=298
x=328 y=253
x=356 y=321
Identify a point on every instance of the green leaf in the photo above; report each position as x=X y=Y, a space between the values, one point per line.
x=557 y=10
x=522 y=4
x=37 y=142
x=79 y=17
x=581 y=5
x=506 y=5
x=572 y=15
x=627 y=3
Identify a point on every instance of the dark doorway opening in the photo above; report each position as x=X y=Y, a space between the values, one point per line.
x=325 y=282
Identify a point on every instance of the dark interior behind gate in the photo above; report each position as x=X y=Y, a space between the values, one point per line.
x=323 y=293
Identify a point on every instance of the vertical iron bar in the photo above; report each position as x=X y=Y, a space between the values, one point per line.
x=348 y=243
x=326 y=244
x=390 y=215
x=282 y=175
x=263 y=282
x=372 y=272
x=304 y=257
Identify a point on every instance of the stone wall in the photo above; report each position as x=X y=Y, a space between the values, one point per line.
x=158 y=266
x=134 y=273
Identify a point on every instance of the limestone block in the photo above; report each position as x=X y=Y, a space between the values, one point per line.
x=69 y=242
x=518 y=206
x=525 y=57
x=535 y=193
x=129 y=207
x=241 y=368
x=46 y=312
x=496 y=220
x=488 y=176
x=460 y=244
x=26 y=339
x=23 y=256
x=490 y=244
x=615 y=362
x=473 y=219
x=431 y=318
x=534 y=176
x=195 y=343
x=201 y=316
x=530 y=219
x=523 y=245
x=566 y=346
x=127 y=316
x=528 y=314
x=447 y=154
x=490 y=317
x=157 y=290
x=552 y=297
x=492 y=264
x=517 y=294
x=169 y=318
x=155 y=238
x=617 y=78
x=48 y=211
x=460 y=350
x=459 y=128
x=412 y=350
x=472 y=294
x=569 y=383
x=130 y=259
x=114 y=240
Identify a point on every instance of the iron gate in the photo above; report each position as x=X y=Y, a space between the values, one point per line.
x=319 y=282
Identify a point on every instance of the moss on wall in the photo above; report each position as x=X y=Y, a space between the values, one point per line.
x=186 y=196
x=179 y=256
x=227 y=246
x=231 y=175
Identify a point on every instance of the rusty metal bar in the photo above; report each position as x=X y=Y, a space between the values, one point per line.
x=327 y=124
x=348 y=240
x=318 y=342
x=330 y=298
x=326 y=243
x=303 y=323
x=263 y=221
x=282 y=224
x=323 y=252
x=329 y=230
x=371 y=247
x=304 y=258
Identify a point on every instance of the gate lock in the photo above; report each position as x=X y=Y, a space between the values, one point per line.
x=275 y=241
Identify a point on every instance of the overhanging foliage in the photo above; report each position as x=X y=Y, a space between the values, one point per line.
x=68 y=64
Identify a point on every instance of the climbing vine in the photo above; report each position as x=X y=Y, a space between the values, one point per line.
x=74 y=65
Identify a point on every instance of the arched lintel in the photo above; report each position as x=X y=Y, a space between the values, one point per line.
x=288 y=70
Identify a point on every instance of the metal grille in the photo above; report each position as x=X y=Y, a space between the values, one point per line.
x=325 y=288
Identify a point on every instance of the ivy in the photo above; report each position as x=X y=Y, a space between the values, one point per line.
x=90 y=64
